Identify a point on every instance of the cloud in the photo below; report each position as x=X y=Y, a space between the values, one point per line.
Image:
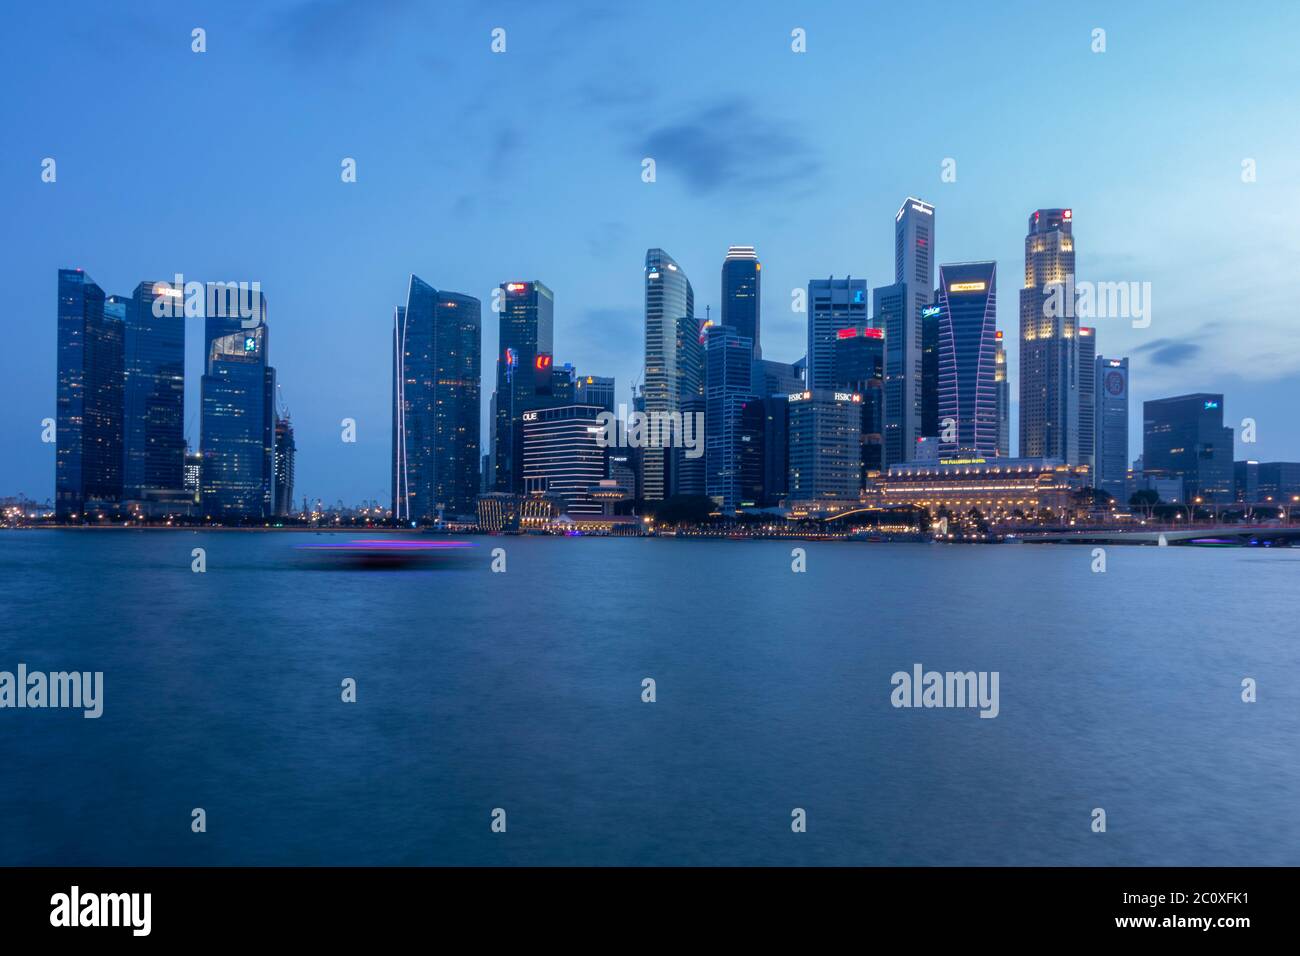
x=1170 y=352
x=333 y=30
x=729 y=147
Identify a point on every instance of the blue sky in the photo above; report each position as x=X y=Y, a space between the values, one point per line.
x=475 y=168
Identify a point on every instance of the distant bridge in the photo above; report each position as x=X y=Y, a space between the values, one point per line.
x=1278 y=535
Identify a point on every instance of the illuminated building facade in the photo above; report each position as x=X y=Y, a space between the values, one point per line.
x=728 y=362
x=742 y=288
x=437 y=361
x=1004 y=398
x=899 y=311
x=1184 y=437
x=1110 y=388
x=1049 y=355
x=1087 y=344
x=668 y=299
x=153 y=394
x=860 y=368
x=525 y=358
x=825 y=434
x=997 y=487
x=594 y=390
x=88 y=432
x=968 y=412
x=562 y=455
x=238 y=417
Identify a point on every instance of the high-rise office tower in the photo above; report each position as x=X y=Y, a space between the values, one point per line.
x=728 y=362
x=88 y=435
x=193 y=474
x=668 y=299
x=238 y=416
x=685 y=474
x=968 y=395
x=525 y=355
x=860 y=369
x=1184 y=437
x=1049 y=352
x=594 y=390
x=1110 y=385
x=562 y=455
x=833 y=304
x=776 y=448
x=1087 y=360
x=437 y=361
x=777 y=378
x=1004 y=398
x=285 y=453
x=741 y=293
x=825 y=436
x=153 y=393
x=930 y=368
x=899 y=311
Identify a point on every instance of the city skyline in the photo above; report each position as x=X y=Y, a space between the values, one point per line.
x=334 y=285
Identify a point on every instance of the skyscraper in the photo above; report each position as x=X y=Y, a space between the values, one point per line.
x=899 y=311
x=1184 y=437
x=1111 y=426
x=968 y=411
x=1087 y=360
x=728 y=361
x=238 y=416
x=930 y=368
x=562 y=455
x=525 y=356
x=153 y=393
x=668 y=298
x=825 y=431
x=1049 y=352
x=741 y=294
x=860 y=369
x=685 y=474
x=833 y=304
x=594 y=390
x=285 y=453
x=437 y=361
x=1004 y=398
x=88 y=436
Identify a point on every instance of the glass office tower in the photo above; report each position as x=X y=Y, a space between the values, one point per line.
x=238 y=418
x=728 y=363
x=1049 y=354
x=1111 y=426
x=968 y=392
x=668 y=299
x=833 y=305
x=154 y=394
x=89 y=408
x=742 y=275
x=1184 y=437
x=437 y=363
x=525 y=355
x=900 y=313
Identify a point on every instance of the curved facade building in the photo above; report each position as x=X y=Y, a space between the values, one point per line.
x=668 y=299
x=968 y=390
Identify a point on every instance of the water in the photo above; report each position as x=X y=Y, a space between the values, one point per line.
x=523 y=691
